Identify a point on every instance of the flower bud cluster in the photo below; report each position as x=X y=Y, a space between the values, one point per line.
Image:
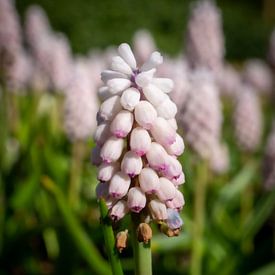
x=51 y=50
x=136 y=140
x=80 y=103
x=204 y=37
x=258 y=75
x=201 y=119
x=10 y=31
x=15 y=64
x=269 y=161
x=247 y=119
x=228 y=80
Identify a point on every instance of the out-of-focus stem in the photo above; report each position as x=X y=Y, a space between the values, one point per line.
x=78 y=153
x=199 y=216
x=82 y=242
x=142 y=252
x=247 y=200
x=109 y=239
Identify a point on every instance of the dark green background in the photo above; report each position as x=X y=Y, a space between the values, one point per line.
x=94 y=23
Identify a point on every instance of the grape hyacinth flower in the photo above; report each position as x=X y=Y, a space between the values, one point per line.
x=248 y=119
x=136 y=144
x=201 y=119
x=258 y=75
x=204 y=37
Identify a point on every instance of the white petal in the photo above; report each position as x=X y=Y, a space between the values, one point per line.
x=126 y=53
x=104 y=93
x=118 y=64
x=154 y=60
x=144 y=78
x=164 y=84
x=130 y=98
x=117 y=85
x=167 y=109
x=109 y=74
x=154 y=94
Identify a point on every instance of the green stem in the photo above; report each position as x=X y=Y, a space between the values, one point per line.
x=109 y=239
x=78 y=152
x=142 y=252
x=247 y=201
x=82 y=241
x=199 y=216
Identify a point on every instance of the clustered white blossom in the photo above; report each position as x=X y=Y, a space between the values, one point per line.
x=204 y=37
x=80 y=104
x=269 y=161
x=257 y=74
x=51 y=51
x=201 y=119
x=137 y=144
x=247 y=119
x=228 y=80
x=15 y=64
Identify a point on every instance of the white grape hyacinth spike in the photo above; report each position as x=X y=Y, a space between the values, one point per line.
x=137 y=146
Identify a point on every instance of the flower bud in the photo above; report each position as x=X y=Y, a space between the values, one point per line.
x=174 y=169
x=118 y=64
x=162 y=132
x=109 y=74
x=117 y=85
x=106 y=171
x=122 y=124
x=177 y=147
x=145 y=114
x=144 y=232
x=110 y=107
x=130 y=98
x=119 y=210
x=174 y=220
x=164 y=84
x=131 y=164
x=112 y=149
x=126 y=53
x=157 y=157
x=173 y=123
x=148 y=180
x=154 y=95
x=140 y=141
x=179 y=180
x=158 y=210
x=95 y=157
x=136 y=199
x=167 y=109
x=102 y=190
x=104 y=93
x=102 y=133
x=144 y=78
x=121 y=240
x=177 y=202
x=119 y=185
x=154 y=60
x=167 y=190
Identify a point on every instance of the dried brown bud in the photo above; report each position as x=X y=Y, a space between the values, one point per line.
x=168 y=231
x=121 y=240
x=144 y=233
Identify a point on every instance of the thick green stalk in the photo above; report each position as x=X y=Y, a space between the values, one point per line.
x=142 y=252
x=199 y=217
x=78 y=153
x=82 y=242
x=109 y=239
